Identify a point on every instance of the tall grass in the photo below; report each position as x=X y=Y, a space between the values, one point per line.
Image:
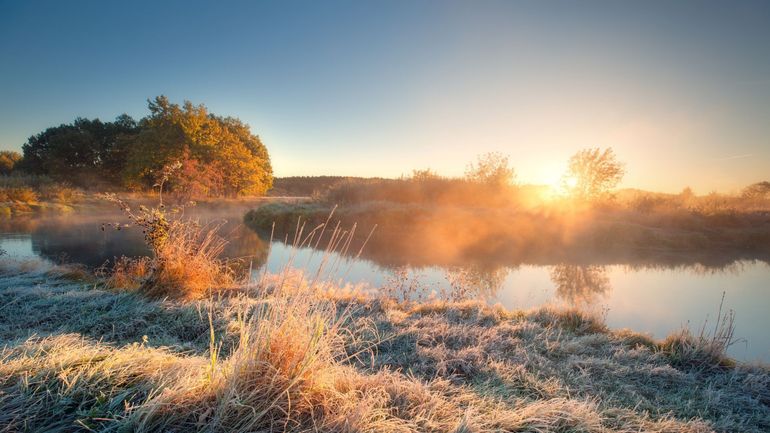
x=707 y=349
x=286 y=374
x=185 y=261
x=437 y=367
x=31 y=189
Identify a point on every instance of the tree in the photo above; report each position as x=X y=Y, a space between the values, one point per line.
x=219 y=154
x=757 y=191
x=592 y=173
x=491 y=169
x=8 y=161
x=80 y=151
x=424 y=175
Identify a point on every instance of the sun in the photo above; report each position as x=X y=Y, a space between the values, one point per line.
x=569 y=182
x=563 y=186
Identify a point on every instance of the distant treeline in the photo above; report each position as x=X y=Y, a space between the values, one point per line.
x=461 y=192
x=490 y=180
x=213 y=155
x=591 y=179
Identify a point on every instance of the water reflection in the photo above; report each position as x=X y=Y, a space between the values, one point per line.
x=459 y=283
x=475 y=282
x=79 y=239
x=580 y=285
x=629 y=288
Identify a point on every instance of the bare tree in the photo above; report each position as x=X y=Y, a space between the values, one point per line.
x=491 y=168
x=592 y=173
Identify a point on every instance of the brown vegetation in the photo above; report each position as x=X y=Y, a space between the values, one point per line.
x=424 y=234
x=185 y=257
x=281 y=357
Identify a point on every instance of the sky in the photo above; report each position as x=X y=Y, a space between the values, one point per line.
x=679 y=89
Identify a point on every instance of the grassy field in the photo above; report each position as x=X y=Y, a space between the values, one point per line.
x=281 y=355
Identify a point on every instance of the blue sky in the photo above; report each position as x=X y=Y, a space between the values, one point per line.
x=680 y=89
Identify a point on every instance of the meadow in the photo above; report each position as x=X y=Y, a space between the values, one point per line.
x=280 y=353
x=183 y=337
x=184 y=340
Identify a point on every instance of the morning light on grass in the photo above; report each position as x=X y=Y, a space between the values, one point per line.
x=401 y=216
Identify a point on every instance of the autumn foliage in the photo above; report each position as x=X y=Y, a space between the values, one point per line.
x=219 y=155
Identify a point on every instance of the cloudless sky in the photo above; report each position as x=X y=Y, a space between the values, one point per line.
x=680 y=89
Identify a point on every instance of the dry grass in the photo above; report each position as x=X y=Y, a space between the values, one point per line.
x=283 y=356
x=285 y=374
x=187 y=263
x=65 y=383
x=21 y=195
x=707 y=349
x=31 y=189
x=126 y=273
x=288 y=353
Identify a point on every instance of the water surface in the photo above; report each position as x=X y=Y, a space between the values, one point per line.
x=651 y=297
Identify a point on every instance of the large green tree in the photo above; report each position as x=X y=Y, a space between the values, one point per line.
x=80 y=151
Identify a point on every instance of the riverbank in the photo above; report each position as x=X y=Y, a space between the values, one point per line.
x=430 y=235
x=283 y=356
x=84 y=203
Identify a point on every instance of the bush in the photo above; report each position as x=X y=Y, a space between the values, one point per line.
x=19 y=195
x=57 y=192
x=186 y=264
x=185 y=259
x=126 y=273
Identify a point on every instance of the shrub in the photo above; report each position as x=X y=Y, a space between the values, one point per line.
x=59 y=193
x=185 y=259
x=422 y=190
x=19 y=195
x=186 y=264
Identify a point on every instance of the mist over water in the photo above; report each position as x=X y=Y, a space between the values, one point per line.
x=655 y=295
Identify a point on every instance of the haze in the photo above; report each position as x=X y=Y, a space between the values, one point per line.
x=680 y=90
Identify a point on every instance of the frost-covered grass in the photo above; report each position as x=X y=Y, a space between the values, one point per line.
x=284 y=357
